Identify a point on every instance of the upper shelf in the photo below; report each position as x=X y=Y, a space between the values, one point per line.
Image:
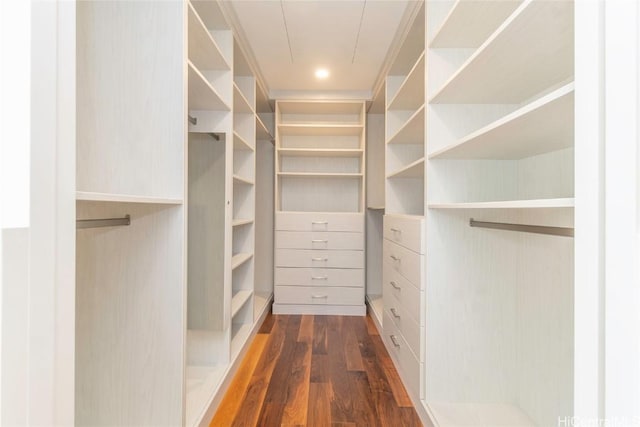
x=320 y=107
x=202 y=96
x=313 y=129
x=568 y=202
x=262 y=132
x=240 y=102
x=502 y=70
x=239 y=143
x=412 y=132
x=412 y=170
x=203 y=49
x=319 y=152
x=470 y=22
x=89 y=196
x=410 y=94
x=542 y=126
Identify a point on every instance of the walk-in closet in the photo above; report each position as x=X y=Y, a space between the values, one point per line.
x=390 y=212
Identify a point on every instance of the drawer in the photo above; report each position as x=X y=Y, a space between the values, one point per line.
x=310 y=221
x=410 y=369
x=407 y=231
x=318 y=295
x=408 y=326
x=318 y=258
x=405 y=292
x=319 y=240
x=319 y=277
x=404 y=261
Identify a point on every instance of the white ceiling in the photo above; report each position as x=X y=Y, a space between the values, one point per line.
x=290 y=39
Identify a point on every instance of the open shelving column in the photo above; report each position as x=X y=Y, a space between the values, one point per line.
x=499 y=149
x=319 y=207
x=210 y=192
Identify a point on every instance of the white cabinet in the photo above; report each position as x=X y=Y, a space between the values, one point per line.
x=319 y=220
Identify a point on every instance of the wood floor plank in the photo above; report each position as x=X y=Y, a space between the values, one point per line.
x=399 y=393
x=371 y=327
x=319 y=406
x=319 y=368
x=277 y=390
x=251 y=406
x=306 y=329
x=295 y=410
x=364 y=406
x=319 y=335
x=341 y=392
x=351 y=345
x=229 y=406
x=267 y=325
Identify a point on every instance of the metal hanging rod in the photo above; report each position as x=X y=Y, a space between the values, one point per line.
x=194 y=121
x=538 y=229
x=103 y=222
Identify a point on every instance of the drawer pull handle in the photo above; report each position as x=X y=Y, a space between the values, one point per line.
x=395 y=258
x=319 y=241
x=320 y=222
x=395 y=285
x=396 y=230
x=319 y=296
x=319 y=259
x=319 y=278
x=395 y=313
x=394 y=341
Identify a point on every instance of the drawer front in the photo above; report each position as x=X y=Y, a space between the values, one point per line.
x=309 y=221
x=319 y=277
x=318 y=295
x=333 y=240
x=404 y=261
x=405 y=231
x=407 y=325
x=410 y=369
x=313 y=258
x=405 y=292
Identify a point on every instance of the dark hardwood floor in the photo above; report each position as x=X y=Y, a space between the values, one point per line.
x=316 y=371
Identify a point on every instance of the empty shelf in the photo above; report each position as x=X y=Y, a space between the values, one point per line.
x=239 y=300
x=476 y=414
x=240 y=180
x=313 y=129
x=239 y=222
x=262 y=133
x=412 y=131
x=319 y=175
x=240 y=102
x=124 y=198
x=501 y=70
x=239 y=143
x=470 y=22
x=567 y=202
x=203 y=50
x=240 y=258
x=542 y=126
x=413 y=170
x=319 y=152
x=202 y=96
x=410 y=94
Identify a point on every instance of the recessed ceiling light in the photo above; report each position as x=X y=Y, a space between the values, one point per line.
x=322 y=73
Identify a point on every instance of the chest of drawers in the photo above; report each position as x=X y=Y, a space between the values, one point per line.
x=319 y=263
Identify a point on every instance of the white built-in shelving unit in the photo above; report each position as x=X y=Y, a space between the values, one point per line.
x=500 y=148
x=399 y=309
x=319 y=207
x=165 y=306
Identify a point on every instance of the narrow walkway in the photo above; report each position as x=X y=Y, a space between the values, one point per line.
x=316 y=371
